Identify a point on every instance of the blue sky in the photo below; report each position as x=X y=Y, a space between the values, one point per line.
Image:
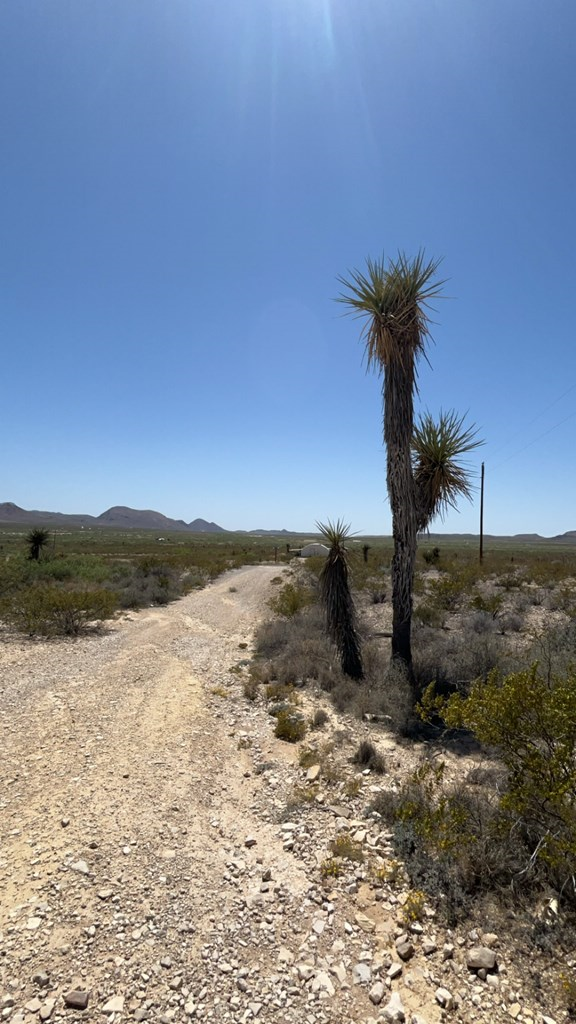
x=183 y=181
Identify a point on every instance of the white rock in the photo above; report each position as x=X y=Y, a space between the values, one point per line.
x=80 y=866
x=322 y=983
x=393 y=1012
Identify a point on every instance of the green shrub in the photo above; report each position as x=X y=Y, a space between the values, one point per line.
x=290 y=726
x=347 y=848
x=532 y=723
x=291 y=599
x=51 y=611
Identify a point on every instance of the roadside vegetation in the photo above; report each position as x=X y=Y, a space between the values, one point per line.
x=494 y=662
x=62 y=583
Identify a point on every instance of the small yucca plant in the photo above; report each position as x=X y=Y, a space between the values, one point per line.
x=337 y=600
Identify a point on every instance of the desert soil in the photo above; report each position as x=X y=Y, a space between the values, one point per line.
x=149 y=867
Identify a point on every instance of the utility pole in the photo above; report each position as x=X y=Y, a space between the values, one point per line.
x=482 y=514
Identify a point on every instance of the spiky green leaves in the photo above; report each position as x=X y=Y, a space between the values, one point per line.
x=337 y=600
x=392 y=299
x=440 y=476
x=36 y=540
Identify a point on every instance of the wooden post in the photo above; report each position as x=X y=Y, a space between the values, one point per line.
x=482 y=514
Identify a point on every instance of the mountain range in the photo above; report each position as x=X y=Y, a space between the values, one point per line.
x=120 y=517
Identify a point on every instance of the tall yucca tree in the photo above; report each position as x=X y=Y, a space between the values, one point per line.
x=337 y=599
x=393 y=300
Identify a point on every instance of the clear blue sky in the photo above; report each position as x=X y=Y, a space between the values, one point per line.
x=181 y=183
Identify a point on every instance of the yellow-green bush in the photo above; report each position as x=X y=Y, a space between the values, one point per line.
x=52 y=611
x=531 y=721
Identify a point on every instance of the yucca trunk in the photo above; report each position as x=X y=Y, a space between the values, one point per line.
x=398 y=427
x=340 y=612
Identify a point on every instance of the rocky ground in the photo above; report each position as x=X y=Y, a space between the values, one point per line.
x=161 y=852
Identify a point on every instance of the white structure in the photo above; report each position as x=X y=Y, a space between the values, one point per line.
x=314 y=549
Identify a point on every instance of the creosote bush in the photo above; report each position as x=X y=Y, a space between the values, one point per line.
x=532 y=723
x=290 y=726
x=291 y=599
x=50 y=611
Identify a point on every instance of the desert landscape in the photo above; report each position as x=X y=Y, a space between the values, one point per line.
x=169 y=852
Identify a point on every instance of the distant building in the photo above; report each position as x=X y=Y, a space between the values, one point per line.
x=314 y=549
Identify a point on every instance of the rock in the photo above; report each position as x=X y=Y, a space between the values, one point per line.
x=365 y=923
x=405 y=950
x=114 y=1005
x=361 y=974
x=80 y=866
x=340 y=811
x=394 y=971
x=428 y=946
x=376 y=993
x=76 y=999
x=47 y=1009
x=322 y=983
x=33 y=923
x=514 y=1010
x=285 y=956
x=444 y=998
x=41 y=978
x=480 y=957
x=313 y=773
x=305 y=971
x=33 y=1005
x=393 y=1012
x=249 y=842
x=447 y=951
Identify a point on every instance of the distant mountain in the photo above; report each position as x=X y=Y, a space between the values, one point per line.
x=120 y=517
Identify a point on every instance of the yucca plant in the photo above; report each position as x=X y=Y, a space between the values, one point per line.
x=422 y=472
x=392 y=299
x=440 y=477
x=337 y=599
x=36 y=540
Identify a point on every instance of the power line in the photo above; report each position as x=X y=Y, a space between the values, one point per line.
x=533 y=420
x=535 y=439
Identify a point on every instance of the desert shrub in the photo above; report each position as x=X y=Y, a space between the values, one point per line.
x=152 y=582
x=87 y=568
x=319 y=719
x=347 y=848
x=532 y=724
x=15 y=572
x=378 y=597
x=330 y=868
x=290 y=726
x=250 y=687
x=453 y=660
x=446 y=593
x=491 y=604
x=429 y=614
x=511 y=622
x=480 y=622
x=279 y=692
x=554 y=650
x=51 y=611
x=454 y=841
x=431 y=556
x=366 y=756
x=291 y=599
